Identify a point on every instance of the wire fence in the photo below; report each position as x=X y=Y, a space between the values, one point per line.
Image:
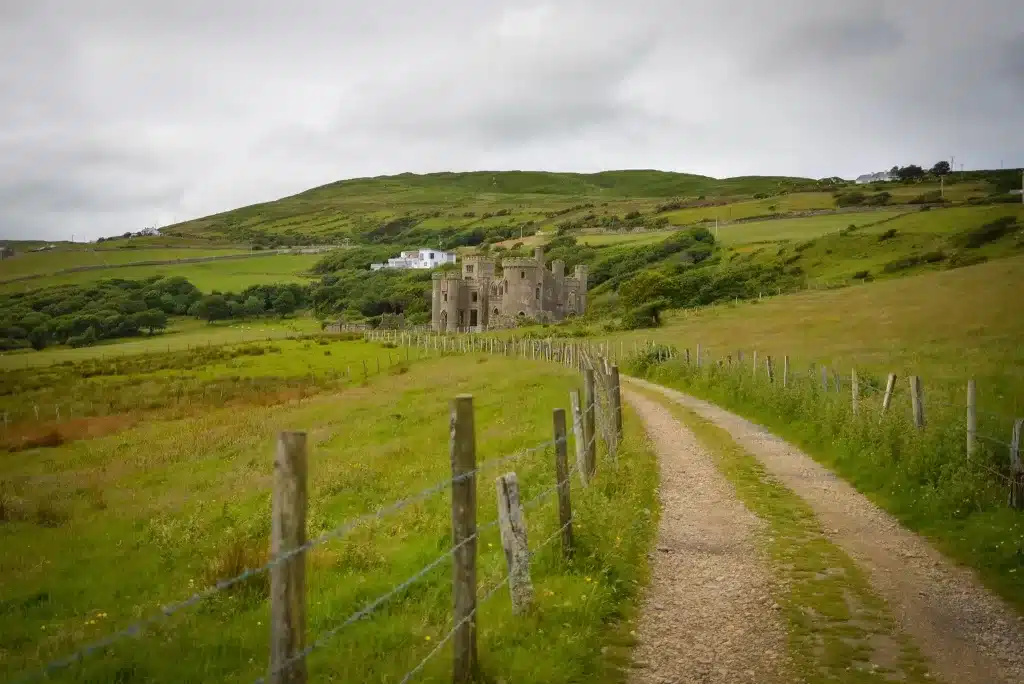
x=290 y=469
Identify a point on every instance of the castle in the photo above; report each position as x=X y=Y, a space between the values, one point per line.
x=478 y=299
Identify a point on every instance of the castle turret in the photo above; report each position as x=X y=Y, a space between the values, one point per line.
x=580 y=276
x=478 y=267
x=524 y=279
x=447 y=294
x=558 y=268
x=538 y=255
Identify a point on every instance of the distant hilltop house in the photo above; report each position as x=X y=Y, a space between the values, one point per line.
x=479 y=299
x=417 y=258
x=881 y=176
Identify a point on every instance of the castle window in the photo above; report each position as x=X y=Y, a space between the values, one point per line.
x=522 y=275
x=446 y=296
x=495 y=312
x=537 y=294
x=469 y=268
x=473 y=296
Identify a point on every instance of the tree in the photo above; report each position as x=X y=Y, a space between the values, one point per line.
x=284 y=303
x=646 y=286
x=253 y=306
x=211 y=308
x=153 y=319
x=941 y=168
x=910 y=172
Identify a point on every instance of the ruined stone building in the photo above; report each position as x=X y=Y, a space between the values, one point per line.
x=478 y=298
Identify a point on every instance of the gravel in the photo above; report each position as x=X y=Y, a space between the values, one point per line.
x=969 y=635
x=708 y=615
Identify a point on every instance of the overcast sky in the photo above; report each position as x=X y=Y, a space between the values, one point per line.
x=119 y=114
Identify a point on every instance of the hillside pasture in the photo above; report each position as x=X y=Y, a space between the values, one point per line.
x=227 y=275
x=777 y=230
x=181 y=334
x=102 y=532
x=52 y=261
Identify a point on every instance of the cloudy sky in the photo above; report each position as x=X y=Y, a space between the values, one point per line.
x=118 y=114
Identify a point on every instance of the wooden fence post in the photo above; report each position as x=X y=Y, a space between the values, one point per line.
x=972 y=418
x=562 y=478
x=754 y=357
x=366 y=374
x=579 y=433
x=768 y=368
x=616 y=396
x=917 y=401
x=890 y=387
x=1016 y=468
x=785 y=370
x=589 y=422
x=462 y=447
x=512 y=524
x=288 y=578
x=824 y=378
x=854 y=390
x=687 y=356
x=698 y=356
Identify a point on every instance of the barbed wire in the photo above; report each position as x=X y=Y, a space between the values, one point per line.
x=447 y=637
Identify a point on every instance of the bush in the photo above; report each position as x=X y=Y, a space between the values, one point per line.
x=881 y=199
x=862 y=275
x=646 y=316
x=973 y=238
x=930 y=197
x=850 y=199
x=888 y=235
x=960 y=259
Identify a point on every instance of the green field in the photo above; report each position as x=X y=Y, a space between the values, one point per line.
x=103 y=532
x=946 y=327
x=183 y=333
x=228 y=275
x=777 y=230
x=42 y=263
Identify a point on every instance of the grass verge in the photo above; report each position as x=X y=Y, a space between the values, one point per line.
x=839 y=630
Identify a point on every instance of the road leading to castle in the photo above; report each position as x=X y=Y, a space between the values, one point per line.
x=901 y=610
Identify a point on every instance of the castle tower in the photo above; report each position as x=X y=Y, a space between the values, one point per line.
x=580 y=276
x=446 y=304
x=477 y=267
x=524 y=280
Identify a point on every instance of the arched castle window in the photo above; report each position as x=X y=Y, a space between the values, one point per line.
x=537 y=293
x=495 y=312
x=522 y=274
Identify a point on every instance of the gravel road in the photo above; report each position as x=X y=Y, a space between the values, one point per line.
x=708 y=615
x=968 y=635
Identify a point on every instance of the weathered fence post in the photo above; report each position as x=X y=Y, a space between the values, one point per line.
x=917 y=401
x=616 y=396
x=579 y=433
x=768 y=368
x=890 y=387
x=698 y=356
x=972 y=418
x=754 y=357
x=824 y=379
x=463 y=461
x=562 y=478
x=512 y=524
x=854 y=390
x=687 y=356
x=785 y=370
x=366 y=374
x=589 y=422
x=1016 y=468
x=288 y=578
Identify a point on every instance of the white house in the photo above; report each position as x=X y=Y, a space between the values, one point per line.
x=417 y=258
x=874 y=177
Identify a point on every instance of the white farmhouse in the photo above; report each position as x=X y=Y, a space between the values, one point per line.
x=417 y=258
x=881 y=176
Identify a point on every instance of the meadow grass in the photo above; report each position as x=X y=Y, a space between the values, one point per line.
x=945 y=326
x=838 y=628
x=102 y=532
x=632 y=238
x=181 y=334
x=801 y=201
x=922 y=476
x=52 y=261
x=775 y=230
x=229 y=275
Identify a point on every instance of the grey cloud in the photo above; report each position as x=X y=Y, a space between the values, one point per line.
x=118 y=112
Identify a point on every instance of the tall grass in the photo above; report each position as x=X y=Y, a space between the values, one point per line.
x=922 y=476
